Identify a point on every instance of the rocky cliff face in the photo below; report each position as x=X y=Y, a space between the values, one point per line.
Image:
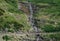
x=25 y=7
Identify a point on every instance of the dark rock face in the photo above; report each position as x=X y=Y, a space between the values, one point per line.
x=39 y=38
x=1 y=11
x=23 y=7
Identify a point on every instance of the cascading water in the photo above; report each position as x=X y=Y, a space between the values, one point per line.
x=38 y=38
x=31 y=18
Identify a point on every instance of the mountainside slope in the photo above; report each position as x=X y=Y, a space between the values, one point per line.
x=47 y=19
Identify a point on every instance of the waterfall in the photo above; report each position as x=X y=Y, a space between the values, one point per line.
x=32 y=23
x=31 y=20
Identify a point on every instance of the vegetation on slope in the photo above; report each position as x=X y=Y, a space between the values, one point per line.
x=12 y=19
x=47 y=18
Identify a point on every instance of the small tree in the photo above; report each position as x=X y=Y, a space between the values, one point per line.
x=6 y=38
x=17 y=26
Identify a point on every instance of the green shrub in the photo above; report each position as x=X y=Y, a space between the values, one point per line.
x=10 y=31
x=56 y=36
x=6 y=37
x=17 y=26
x=12 y=2
x=51 y=28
